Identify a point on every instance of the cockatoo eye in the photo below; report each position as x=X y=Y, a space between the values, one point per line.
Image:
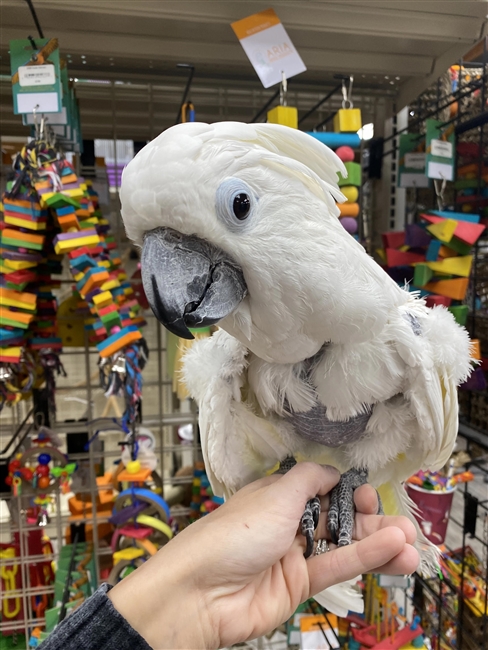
x=242 y=206
x=235 y=204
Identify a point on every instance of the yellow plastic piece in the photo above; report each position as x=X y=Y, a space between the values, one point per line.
x=130 y=553
x=157 y=524
x=381 y=254
x=78 y=276
x=443 y=230
x=350 y=192
x=347 y=120
x=8 y=575
x=285 y=115
x=453 y=265
x=133 y=466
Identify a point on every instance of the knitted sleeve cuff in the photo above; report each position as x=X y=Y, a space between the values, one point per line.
x=96 y=625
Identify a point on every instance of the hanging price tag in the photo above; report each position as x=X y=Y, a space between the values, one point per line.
x=441 y=148
x=440 y=141
x=36 y=75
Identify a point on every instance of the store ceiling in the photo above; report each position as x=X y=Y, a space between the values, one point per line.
x=393 y=48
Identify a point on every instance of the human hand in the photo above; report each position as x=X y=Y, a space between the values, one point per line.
x=240 y=572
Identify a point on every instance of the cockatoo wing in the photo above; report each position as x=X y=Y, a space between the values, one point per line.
x=238 y=446
x=436 y=363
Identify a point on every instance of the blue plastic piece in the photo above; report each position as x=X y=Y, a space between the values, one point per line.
x=148 y=494
x=458 y=216
x=335 y=140
x=433 y=250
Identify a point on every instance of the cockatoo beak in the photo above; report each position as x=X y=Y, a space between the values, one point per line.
x=188 y=281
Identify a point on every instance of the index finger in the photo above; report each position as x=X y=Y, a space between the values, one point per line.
x=305 y=481
x=347 y=562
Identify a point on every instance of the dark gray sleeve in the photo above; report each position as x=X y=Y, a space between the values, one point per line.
x=96 y=625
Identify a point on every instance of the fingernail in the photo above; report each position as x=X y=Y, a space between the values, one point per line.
x=332 y=469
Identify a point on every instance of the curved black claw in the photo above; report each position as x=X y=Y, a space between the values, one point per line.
x=340 y=519
x=309 y=522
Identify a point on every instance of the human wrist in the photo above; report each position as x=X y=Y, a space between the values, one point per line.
x=164 y=605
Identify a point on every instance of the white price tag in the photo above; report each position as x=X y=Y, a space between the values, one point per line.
x=268 y=47
x=415 y=161
x=37 y=75
x=441 y=148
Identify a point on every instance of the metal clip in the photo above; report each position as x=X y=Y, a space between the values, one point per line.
x=283 y=89
x=119 y=365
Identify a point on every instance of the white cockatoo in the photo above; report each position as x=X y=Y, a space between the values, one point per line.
x=320 y=355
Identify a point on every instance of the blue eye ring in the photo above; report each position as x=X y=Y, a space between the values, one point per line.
x=235 y=204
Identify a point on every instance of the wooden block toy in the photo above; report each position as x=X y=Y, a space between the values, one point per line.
x=103 y=299
x=453 y=265
x=10 y=354
x=20 y=222
x=347 y=120
x=285 y=115
x=393 y=239
x=16 y=319
x=475 y=349
x=119 y=340
x=416 y=236
x=68 y=241
x=354 y=175
x=22 y=239
x=83 y=263
x=32 y=207
x=348 y=209
x=11 y=298
x=455 y=289
x=398 y=258
x=22 y=277
x=93 y=278
x=39 y=343
x=59 y=200
x=422 y=274
x=68 y=222
x=17 y=265
x=110 y=285
x=443 y=230
x=460 y=313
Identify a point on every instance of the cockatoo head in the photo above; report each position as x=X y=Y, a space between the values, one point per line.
x=238 y=226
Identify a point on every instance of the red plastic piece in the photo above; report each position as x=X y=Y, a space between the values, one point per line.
x=393 y=239
x=400 y=258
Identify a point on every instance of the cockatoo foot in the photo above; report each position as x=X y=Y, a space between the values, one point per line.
x=310 y=518
x=309 y=523
x=340 y=519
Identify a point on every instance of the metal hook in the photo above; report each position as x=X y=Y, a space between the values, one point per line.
x=36 y=124
x=283 y=89
x=439 y=191
x=347 y=93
